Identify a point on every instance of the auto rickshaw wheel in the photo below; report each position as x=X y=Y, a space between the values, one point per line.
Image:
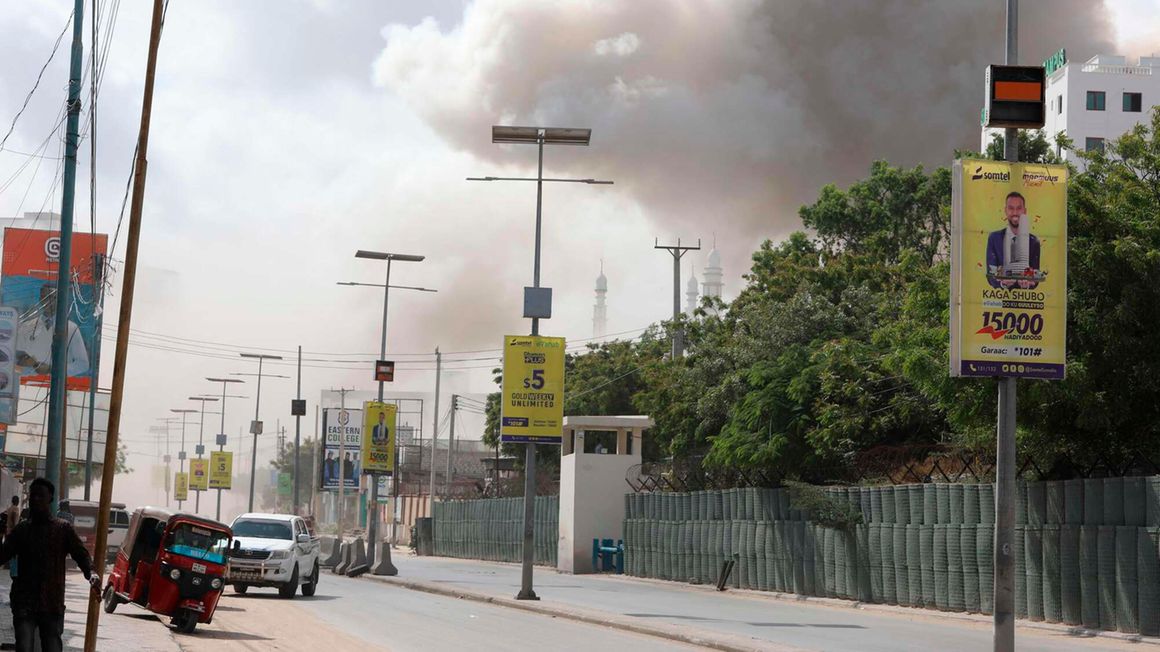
x=110 y=599
x=185 y=621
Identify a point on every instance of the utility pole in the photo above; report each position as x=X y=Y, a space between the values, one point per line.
x=57 y=392
x=297 y=431
x=1004 y=581
x=341 y=462
x=125 y=317
x=200 y=450
x=181 y=452
x=449 y=481
x=256 y=425
x=435 y=428
x=95 y=348
x=678 y=252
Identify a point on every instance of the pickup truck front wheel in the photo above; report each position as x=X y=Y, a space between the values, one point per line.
x=287 y=590
x=311 y=585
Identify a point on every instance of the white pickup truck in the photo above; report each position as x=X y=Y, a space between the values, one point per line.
x=273 y=550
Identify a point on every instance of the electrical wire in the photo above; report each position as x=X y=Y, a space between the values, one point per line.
x=36 y=84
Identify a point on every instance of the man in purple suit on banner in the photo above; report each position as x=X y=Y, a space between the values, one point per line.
x=1014 y=248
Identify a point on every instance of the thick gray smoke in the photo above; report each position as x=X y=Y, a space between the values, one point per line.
x=726 y=115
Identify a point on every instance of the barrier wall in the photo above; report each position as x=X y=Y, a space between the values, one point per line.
x=492 y=529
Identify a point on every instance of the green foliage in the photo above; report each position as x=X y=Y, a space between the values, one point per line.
x=824 y=507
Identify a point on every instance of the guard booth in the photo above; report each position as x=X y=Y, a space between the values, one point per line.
x=596 y=454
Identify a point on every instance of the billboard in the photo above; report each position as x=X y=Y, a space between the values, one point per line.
x=378 y=448
x=181 y=486
x=342 y=448
x=9 y=318
x=533 y=390
x=1008 y=270
x=199 y=474
x=221 y=469
x=28 y=276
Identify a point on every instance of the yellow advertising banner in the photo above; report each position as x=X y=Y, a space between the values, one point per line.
x=181 y=486
x=199 y=474
x=378 y=437
x=1008 y=270
x=533 y=390
x=221 y=469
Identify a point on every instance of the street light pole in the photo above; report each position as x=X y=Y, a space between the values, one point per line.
x=220 y=439
x=256 y=426
x=201 y=442
x=181 y=451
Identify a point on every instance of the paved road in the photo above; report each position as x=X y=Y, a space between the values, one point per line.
x=349 y=614
x=808 y=626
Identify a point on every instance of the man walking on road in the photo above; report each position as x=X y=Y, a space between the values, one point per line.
x=39 y=546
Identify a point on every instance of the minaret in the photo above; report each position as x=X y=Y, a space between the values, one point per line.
x=600 y=311
x=692 y=292
x=714 y=284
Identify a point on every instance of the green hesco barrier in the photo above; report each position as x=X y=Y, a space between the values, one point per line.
x=1073 y=502
x=1036 y=504
x=808 y=546
x=864 y=504
x=968 y=541
x=727 y=505
x=901 y=572
x=914 y=564
x=1020 y=571
x=1055 y=502
x=1148 y=570
x=830 y=560
x=748 y=508
x=875 y=504
x=1113 y=501
x=786 y=559
x=820 y=589
x=777 y=579
x=751 y=557
x=874 y=543
x=1093 y=501
x=926 y=555
x=956 y=506
x=970 y=504
x=929 y=504
x=1020 y=503
x=985 y=561
x=1052 y=607
x=850 y=539
x=784 y=505
x=956 y=598
x=739 y=551
x=901 y=505
x=717 y=505
x=1152 y=502
x=942 y=504
x=840 y=589
x=889 y=511
x=1089 y=571
x=1135 y=501
x=1106 y=542
x=889 y=576
x=862 y=544
x=940 y=567
x=1033 y=553
x=854 y=498
x=798 y=560
x=1127 y=581
x=915 y=501
x=987 y=504
x=1069 y=587
x=764 y=543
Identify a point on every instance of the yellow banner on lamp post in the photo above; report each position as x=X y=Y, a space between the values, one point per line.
x=533 y=390
x=378 y=440
x=199 y=474
x=221 y=469
x=181 y=486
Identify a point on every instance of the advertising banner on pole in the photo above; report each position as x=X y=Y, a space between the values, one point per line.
x=221 y=469
x=378 y=446
x=181 y=486
x=199 y=475
x=342 y=448
x=1008 y=270
x=28 y=278
x=9 y=319
x=285 y=484
x=533 y=390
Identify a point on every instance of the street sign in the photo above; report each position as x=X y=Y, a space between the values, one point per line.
x=1008 y=270
x=181 y=455
x=378 y=441
x=220 y=440
x=533 y=390
x=1015 y=97
x=199 y=475
x=221 y=469
x=285 y=484
x=199 y=450
x=385 y=371
x=181 y=486
x=298 y=407
x=255 y=427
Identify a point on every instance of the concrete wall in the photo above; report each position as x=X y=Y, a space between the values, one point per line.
x=592 y=489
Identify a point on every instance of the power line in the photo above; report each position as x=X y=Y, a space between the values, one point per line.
x=36 y=84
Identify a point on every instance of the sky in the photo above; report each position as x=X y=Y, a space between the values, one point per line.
x=286 y=135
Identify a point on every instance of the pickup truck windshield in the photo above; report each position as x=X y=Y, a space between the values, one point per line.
x=262 y=530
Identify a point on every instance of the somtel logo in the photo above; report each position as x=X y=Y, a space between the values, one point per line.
x=990 y=176
x=52 y=248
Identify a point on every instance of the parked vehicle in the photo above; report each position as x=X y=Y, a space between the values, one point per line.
x=84 y=521
x=118 y=528
x=274 y=550
x=171 y=564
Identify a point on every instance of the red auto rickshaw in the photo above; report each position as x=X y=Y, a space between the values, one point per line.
x=171 y=564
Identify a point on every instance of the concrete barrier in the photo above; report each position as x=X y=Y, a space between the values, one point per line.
x=344 y=550
x=358 y=559
x=383 y=565
x=330 y=553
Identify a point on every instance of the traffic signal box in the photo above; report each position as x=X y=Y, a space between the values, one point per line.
x=1015 y=97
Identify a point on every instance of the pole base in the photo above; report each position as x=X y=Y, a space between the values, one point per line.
x=527 y=595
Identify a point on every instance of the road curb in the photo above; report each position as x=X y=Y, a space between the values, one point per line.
x=674 y=633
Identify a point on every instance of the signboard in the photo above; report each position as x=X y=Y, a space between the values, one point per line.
x=385 y=489
x=1055 y=61
x=9 y=397
x=378 y=444
x=1015 y=97
x=29 y=273
x=533 y=390
x=285 y=484
x=342 y=448
x=199 y=475
x=1008 y=270
x=181 y=486
x=255 y=427
x=385 y=371
x=221 y=469
x=298 y=407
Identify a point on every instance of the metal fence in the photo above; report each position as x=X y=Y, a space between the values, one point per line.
x=1087 y=551
x=492 y=529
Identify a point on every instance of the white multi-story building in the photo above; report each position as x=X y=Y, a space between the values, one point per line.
x=1096 y=101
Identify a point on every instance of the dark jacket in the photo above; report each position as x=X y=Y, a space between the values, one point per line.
x=40 y=548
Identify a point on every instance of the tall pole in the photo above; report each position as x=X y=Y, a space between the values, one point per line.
x=1004 y=581
x=254 y=428
x=341 y=465
x=57 y=395
x=297 y=431
x=678 y=252
x=95 y=348
x=200 y=452
x=449 y=480
x=435 y=428
x=221 y=448
x=123 y=321
x=373 y=503
x=181 y=454
x=98 y=286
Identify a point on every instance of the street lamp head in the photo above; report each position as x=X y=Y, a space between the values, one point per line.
x=179 y=411
x=261 y=356
x=535 y=135
x=224 y=380
x=203 y=398
x=383 y=255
